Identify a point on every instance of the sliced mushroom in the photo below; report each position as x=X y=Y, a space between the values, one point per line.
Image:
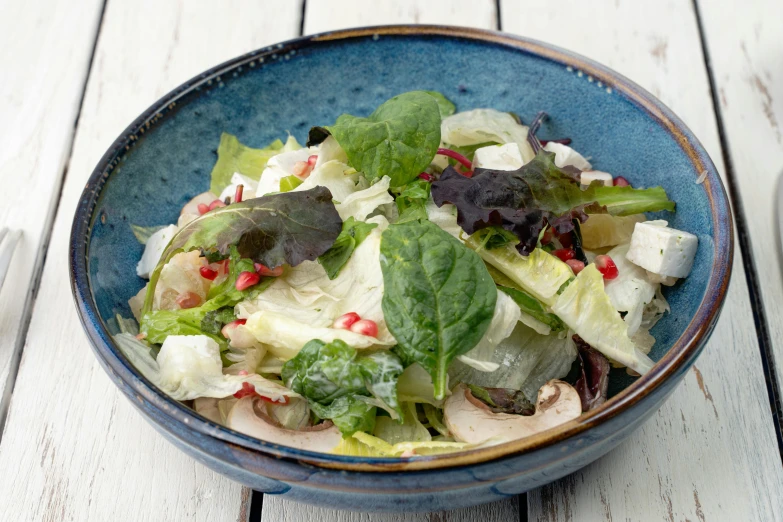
x=470 y=420
x=250 y=418
x=208 y=407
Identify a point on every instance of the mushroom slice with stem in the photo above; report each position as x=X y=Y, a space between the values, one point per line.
x=472 y=421
x=250 y=417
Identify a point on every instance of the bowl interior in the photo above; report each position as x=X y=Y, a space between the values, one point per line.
x=287 y=90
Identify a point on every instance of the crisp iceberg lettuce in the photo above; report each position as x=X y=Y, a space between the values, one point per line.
x=483 y=126
x=338 y=177
x=506 y=317
x=631 y=290
x=415 y=385
x=362 y=203
x=410 y=430
x=605 y=230
x=364 y=445
x=445 y=217
x=588 y=311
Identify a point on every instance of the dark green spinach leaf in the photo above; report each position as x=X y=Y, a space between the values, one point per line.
x=438 y=296
x=349 y=413
x=399 y=139
x=352 y=235
x=412 y=200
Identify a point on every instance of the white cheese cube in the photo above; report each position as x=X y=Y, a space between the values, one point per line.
x=565 y=155
x=237 y=179
x=589 y=176
x=498 y=157
x=662 y=250
x=154 y=248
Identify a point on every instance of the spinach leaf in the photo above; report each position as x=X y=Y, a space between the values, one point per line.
x=445 y=106
x=214 y=321
x=532 y=307
x=399 y=139
x=276 y=229
x=348 y=413
x=143 y=234
x=412 y=200
x=525 y=200
x=352 y=235
x=338 y=381
x=235 y=157
x=438 y=297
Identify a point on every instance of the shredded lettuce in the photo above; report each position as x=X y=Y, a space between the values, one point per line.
x=631 y=290
x=233 y=157
x=505 y=318
x=485 y=125
x=586 y=308
x=411 y=429
x=364 y=445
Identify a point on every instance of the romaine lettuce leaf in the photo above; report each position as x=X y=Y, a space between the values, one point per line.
x=586 y=308
x=363 y=445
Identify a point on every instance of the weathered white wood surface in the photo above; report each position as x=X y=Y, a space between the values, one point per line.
x=746 y=54
x=73 y=448
x=45 y=53
x=710 y=453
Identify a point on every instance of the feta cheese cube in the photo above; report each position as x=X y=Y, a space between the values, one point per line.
x=589 y=176
x=662 y=250
x=154 y=248
x=498 y=157
x=565 y=155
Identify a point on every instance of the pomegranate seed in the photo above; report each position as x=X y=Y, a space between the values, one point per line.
x=564 y=253
x=312 y=160
x=187 y=300
x=238 y=194
x=576 y=265
x=302 y=169
x=226 y=330
x=208 y=273
x=425 y=176
x=203 y=208
x=365 y=327
x=247 y=279
x=141 y=336
x=606 y=266
x=345 y=321
x=215 y=204
x=566 y=240
x=620 y=181
x=547 y=237
x=268 y=272
x=246 y=391
x=242 y=373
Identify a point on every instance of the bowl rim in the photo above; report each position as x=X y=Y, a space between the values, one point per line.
x=679 y=356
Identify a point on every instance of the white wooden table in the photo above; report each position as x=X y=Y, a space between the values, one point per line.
x=74 y=74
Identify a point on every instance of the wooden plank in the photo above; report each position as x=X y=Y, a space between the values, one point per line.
x=325 y=15
x=45 y=54
x=74 y=448
x=745 y=52
x=710 y=453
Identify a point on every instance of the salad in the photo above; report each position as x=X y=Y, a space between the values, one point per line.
x=413 y=282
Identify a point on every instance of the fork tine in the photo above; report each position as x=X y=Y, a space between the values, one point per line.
x=7 y=247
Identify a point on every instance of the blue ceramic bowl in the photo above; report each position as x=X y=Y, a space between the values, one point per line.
x=165 y=157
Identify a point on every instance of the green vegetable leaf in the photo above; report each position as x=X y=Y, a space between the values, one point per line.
x=352 y=235
x=336 y=378
x=412 y=200
x=289 y=183
x=532 y=307
x=503 y=400
x=276 y=229
x=399 y=139
x=214 y=321
x=348 y=413
x=445 y=106
x=235 y=157
x=143 y=234
x=438 y=297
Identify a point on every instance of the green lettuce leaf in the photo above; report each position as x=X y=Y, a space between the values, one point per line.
x=586 y=308
x=411 y=201
x=445 y=106
x=410 y=430
x=273 y=230
x=438 y=297
x=399 y=139
x=143 y=234
x=352 y=235
x=235 y=157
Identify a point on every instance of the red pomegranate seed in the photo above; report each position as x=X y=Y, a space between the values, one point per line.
x=203 y=208
x=247 y=279
x=620 y=181
x=208 y=273
x=268 y=272
x=215 y=204
x=302 y=169
x=246 y=391
x=238 y=194
x=547 y=237
x=576 y=265
x=187 y=300
x=230 y=326
x=365 y=327
x=242 y=373
x=606 y=266
x=345 y=321
x=425 y=176
x=564 y=254
x=312 y=160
